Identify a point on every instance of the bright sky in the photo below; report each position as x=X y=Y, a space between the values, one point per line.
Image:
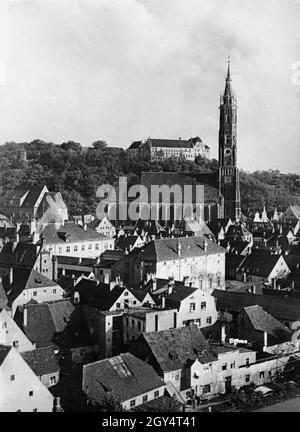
x=123 y=70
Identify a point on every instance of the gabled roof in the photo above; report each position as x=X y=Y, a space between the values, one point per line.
x=260 y=264
x=125 y=242
x=135 y=145
x=262 y=321
x=70 y=233
x=281 y=308
x=46 y=319
x=21 y=255
x=236 y=246
x=166 y=249
x=24 y=279
x=33 y=195
x=4 y=350
x=233 y=262
x=179 y=294
x=41 y=360
x=124 y=376
x=173 y=348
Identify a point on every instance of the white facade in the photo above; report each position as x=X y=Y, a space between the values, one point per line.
x=21 y=390
x=81 y=249
x=206 y=272
x=12 y=335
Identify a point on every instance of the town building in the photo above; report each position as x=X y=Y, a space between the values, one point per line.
x=44 y=363
x=12 y=335
x=74 y=240
x=162 y=149
x=21 y=389
x=103 y=226
x=128 y=379
x=197 y=261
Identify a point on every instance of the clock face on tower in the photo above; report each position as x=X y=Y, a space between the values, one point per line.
x=227 y=152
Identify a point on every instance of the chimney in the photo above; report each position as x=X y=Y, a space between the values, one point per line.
x=265 y=339
x=32 y=226
x=274 y=283
x=54 y=267
x=112 y=284
x=178 y=248
x=245 y=277
x=85 y=226
x=25 y=316
x=106 y=278
x=223 y=334
x=11 y=275
x=79 y=260
x=254 y=289
x=154 y=284
x=76 y=297
x=163 y=302
x=56 y=405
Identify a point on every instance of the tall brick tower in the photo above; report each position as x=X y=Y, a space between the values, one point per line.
x=229 y=184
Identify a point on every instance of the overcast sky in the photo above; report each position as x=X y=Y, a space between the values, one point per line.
x=123 y=70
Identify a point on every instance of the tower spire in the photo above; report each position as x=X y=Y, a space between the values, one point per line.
x=228 y=78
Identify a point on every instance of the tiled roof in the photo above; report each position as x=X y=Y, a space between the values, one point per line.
x=236 y=246
x=293 y=261
x=70 y=233
x=124 y=376
x=23 y=255
x=135 y=145
x=33 y=195
x=124 y=242
x=179 y=294
x=80 y=262
x=264 y=322
x=233 y=261
x=41 y=360
x=46 y=319
x=4 y=350
x=165 y=249
x=173 y=348
x=280 y=308
x=98 y=295
x=3 y=296
x=25 y=279
x=260 y=264
x=171 y=143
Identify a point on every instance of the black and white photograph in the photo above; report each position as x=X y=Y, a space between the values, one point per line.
x=149 y=209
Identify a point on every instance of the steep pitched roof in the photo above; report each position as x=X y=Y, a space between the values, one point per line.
x=125 y=376
x=70 y=233
x=260 y=264
x=179 y=294
x=41 y=360
x=125 y=242
x=21 y=255
x=173 y=348
x=166 y=249
x=264 y=322
x=135 y=145
x=280 y=308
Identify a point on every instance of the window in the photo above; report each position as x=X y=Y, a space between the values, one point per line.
x=126 y=293
x=118 y=305
x=68 y=249
x=247 y=361
x=203 y=305
x=132 y=323
x=12 y=377
x=75 y=248
x=192 y=307
x=53 y=380
x=132 y=403
x=247 y=378
x=139 y=325
x=145 y=398
x=82 y=247
x=156 y=393
x=4 y=325
x=60 y=250
x=15 y=344
x=198 y=322
x=90 y=246
x=134 y=302
x=224 y=366
x=201 y=283
x=34 y=293
x=261 y=374
x=54 y=290
x=97 y=246
x=232 y=365
x=219 y=281
x=206 y=389
x=45 y=261
x=127 y=321
x=30 y=393
x=208 y=320
x=210 y=281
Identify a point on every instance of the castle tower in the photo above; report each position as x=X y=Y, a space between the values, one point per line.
x=229 y=184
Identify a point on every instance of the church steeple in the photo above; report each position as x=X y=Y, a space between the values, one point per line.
x=228 y=172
